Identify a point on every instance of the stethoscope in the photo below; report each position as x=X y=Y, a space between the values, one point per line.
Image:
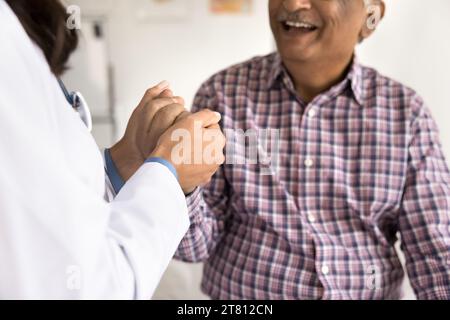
x=79 y=104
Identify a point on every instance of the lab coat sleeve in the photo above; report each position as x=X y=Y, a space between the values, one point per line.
x=58 y=239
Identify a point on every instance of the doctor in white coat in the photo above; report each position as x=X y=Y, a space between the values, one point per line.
x=61 y=235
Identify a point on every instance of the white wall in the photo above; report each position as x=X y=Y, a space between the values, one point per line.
x=411 y=45
x=185 y=53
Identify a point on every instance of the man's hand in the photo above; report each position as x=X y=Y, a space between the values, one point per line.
x=161 y=127
x=194 y=145
x=157 y=111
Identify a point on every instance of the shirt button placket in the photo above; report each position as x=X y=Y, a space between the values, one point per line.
x=325 y=270
x=309 y=163
x=312 y=113
x=311 y=218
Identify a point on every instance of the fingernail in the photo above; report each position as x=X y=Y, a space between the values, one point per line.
x=218 y=115
x=164 y=84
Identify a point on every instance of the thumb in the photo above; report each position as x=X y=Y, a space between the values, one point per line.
x=207 y=117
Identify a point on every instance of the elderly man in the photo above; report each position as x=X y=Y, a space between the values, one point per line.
x=360 y=162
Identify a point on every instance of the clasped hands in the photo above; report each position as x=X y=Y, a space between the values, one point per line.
x=161 y=127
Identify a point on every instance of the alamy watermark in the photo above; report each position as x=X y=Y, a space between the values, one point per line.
x=74 y=17
x=375 y=14
x=243 y=147
x=373 y=277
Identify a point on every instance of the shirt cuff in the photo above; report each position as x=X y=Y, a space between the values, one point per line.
x=165 y=163
x=112 y=172
x=115 y=178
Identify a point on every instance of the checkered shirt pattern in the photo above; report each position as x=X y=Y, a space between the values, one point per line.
x=358 y=166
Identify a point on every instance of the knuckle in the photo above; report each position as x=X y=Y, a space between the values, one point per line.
x=190 y=120
x=179 y=99
x=164 y=111
x=150 y=92
x=151 y=105
x=169 y=113
x=178 y=109
x=158 y=104
x=175 y=110
x=166 y=116
x=207 y=112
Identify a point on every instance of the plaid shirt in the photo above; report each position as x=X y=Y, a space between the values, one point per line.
x=358 y=165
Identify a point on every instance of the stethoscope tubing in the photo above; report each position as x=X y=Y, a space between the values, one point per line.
x=79 y=104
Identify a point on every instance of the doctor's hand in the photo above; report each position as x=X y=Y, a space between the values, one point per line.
x=194 y=146
x=157 y=111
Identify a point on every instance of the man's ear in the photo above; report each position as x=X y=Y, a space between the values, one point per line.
x=375 y=12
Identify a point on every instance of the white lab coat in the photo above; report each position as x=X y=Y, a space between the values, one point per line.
x=59 y=237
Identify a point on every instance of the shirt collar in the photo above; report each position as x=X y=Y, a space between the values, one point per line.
x=354 y=77
x=275 y=69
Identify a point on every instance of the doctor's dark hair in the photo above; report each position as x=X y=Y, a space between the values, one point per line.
x=45 y=23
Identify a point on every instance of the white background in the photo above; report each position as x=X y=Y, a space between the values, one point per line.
x=411 y=45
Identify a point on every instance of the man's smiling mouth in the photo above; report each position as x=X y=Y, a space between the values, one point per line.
x=298 y=26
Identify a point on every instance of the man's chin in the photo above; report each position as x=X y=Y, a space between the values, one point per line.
x=296 y=55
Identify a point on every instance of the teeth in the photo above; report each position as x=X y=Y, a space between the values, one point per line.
x=294 y=24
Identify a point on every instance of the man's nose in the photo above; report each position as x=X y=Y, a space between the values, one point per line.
x=295 y=5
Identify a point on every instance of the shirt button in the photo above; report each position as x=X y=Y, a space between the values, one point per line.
x=309 y=163
x=312 y=113
x=311 y=218
x=325 y=270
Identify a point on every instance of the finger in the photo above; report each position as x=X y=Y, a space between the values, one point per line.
x=214 y=126
x=167 y=116
x=179 y=100
x=155 y=91
x=221 y=137
x=207 y=117
x=169 y=94
x=215 y=135
x=182 y=116
x=166 y=94
x=163 y=120
x=155 y=105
